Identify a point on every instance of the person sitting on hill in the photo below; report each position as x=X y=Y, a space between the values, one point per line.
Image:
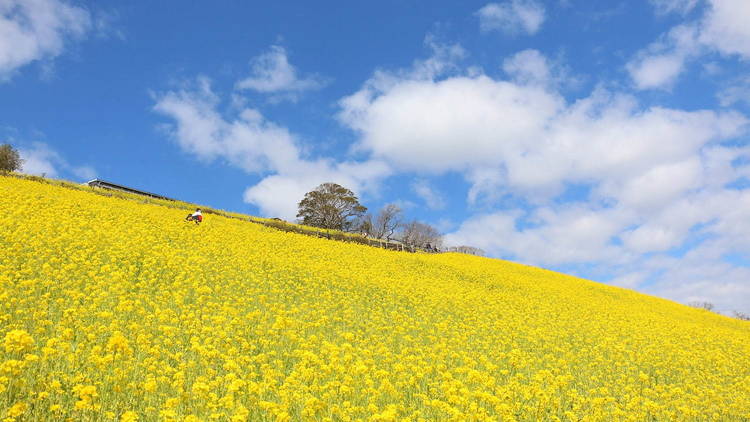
x=197 y=216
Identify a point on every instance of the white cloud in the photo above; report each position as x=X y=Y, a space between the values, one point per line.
x=531 y=67
x=512 y=17
x=723 y=28
x=528 y=66
x=659 y=65
x=738 y=91
x=570 y=234
x=84 y=172
x=656 y=71
x=428 y=194
x=40 y=159
x=33 y=30
x=272 y=73
x=652 y=238
x=656 y=186
x=443 y=61
x=248 y=141
x=629 y=280
x=428 y=125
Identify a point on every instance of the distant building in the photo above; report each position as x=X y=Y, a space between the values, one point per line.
x=96 y=183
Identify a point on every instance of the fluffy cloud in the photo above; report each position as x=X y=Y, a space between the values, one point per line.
x=659 y=65
x=250 y=142
x=528 y=66
x=656 y=71
x=725 y=27
x=271 y=72
x=40 y=159
x=722 y=28
x=567 y=235
x=37 y=29
x=512 y=17
x=655 y=179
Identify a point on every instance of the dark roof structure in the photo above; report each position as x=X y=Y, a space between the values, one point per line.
x=97 y=183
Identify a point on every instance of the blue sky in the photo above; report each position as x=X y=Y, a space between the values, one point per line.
x=607 y=140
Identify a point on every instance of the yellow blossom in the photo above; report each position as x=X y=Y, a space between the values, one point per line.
x=129 y=416
x=17 y=341
x=17 y=409
x=124 y=310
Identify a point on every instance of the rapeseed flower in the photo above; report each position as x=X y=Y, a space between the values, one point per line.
x=17 y=341
x=129 y=416
x=17 y=410
x=124 y=310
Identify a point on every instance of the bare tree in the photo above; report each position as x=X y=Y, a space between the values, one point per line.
x=10 y=159
x=470 y=250
x=741 y=315
x=421 y=235
x=702 y=305
x=364 y=225
x=387 y=222
x=330 y=206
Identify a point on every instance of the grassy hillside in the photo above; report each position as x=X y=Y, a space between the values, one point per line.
x=112 y=309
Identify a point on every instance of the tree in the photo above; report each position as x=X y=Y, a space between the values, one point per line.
x=471 y=250
x=10 y=159
x=387 y=222
x=330 y=206
x=741 y=315
x=702 y=305
x=420 y=235
x=363 y=225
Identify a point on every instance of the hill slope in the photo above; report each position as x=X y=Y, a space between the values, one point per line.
x=115 y=310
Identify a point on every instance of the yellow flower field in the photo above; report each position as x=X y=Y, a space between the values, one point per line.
x=115 y=310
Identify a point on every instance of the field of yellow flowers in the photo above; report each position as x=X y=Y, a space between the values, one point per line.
x=115 y=310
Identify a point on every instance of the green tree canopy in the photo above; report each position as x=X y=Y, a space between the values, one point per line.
x=10 y=159
x=330 y=206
